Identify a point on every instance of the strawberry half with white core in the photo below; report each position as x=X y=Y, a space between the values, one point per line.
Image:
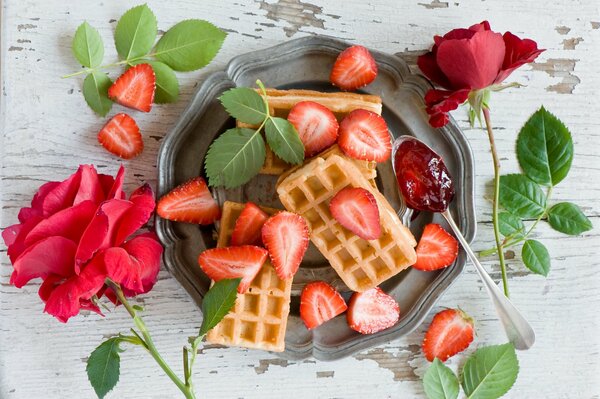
x=248 y=226
x=355 y=67
x=190 y=202
x=320 y=302
x=286 y=236
x=135 y=88
x=364 y=135
x=233 y=262
x=436 y=249
x=356 y=209
x=451 y=331
x=316 y=126
x=372 y=311
x=121 y=136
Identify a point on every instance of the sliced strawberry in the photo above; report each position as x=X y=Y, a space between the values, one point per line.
x=355 y=67
x=356 y=209
x=247 y=229
x=286 y=235
x=233 y=262
x=320 y=302
x=450 y=332
x=436 y=249
x=121 y=136
x=372 y=311
x=364 y=135
x=316 y=126
x=190 y=202
x=135 y=88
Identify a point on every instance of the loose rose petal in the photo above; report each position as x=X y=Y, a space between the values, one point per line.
x=518 y=52
x=16 y=248
x=137 y=215
x=62 y=195
x=90 y=188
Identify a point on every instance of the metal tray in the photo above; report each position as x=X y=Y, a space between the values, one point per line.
x=305 y=63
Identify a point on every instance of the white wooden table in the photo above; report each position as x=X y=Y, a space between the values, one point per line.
x=47 y=131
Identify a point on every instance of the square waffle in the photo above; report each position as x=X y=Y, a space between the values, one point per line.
x=259 y=316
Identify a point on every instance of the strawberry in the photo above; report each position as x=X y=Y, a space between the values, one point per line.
x=436 y=249
x=316 y=126
x=320 y=302
x=356 y=209
x=450 y=332
x=135 y=88
x=190 y=202
x=233 y=262
x=248 y=225
x=364 y=135
x=121 y=136
x=355 y=67
x=372 y=311
x=286 y=235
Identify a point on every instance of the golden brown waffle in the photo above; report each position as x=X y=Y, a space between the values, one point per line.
x=281 y=101
x=360 y=263
x=259 y=317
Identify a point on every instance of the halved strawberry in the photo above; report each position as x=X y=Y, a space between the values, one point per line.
x=372 y=311
x=320 y=302
x=356 y=209
x=436 y=249
x=355 y=67
x=316 y=126
x=364 y=135
x=233 y=262
x=190 y=202
x=286 y=235
x=450 y=332
x=247 y=229
x=135 y=88
x=121 y=136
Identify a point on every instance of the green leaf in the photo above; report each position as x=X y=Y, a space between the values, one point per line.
x=510 y=225
x=103 y=366
x=95 y=92
x=521 y=196
x=189 y=45
x=217 y=302
x=235 y=157
x=545 y=148
x=536 y=257
x=245 y=105
x=440 y=382
x=568 y=218
x=284 y=140
x=136 y=32
x=167 y=86
x=490 y=372
x=88 y=47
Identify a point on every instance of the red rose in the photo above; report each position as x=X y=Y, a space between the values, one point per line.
x=76 y=234
x=466 y=60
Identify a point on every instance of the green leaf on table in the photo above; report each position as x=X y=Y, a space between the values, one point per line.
x=521 y=196
x=135 y=32
x=545 y=148
x=440 y=382
x=568 y=218
x=284 y=140
x=490 y=372
x=189 y=45
x=167 y=85
x=235 y=157
x=245 y=105
x=217 y=302
x=536 y=257
x=103 y=366
x=95 y=92
x=88 y=47
x=510 y=225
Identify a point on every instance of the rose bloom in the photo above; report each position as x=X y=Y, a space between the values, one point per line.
x=76 y=233
x=467 y=60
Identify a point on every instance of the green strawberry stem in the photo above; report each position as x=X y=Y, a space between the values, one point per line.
x=123 y=62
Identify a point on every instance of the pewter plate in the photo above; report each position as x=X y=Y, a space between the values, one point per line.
x=305 y=64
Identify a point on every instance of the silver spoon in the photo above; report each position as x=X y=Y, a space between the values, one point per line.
x=517 y=328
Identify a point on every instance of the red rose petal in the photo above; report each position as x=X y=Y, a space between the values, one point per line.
x=137 y=215
x=428 y=65
x=50 y=283
x=62 y=195
x=116 y=189
x=90 y=188
x=440 y=102
x=518 y=52
x=16 y=248
x=38 y=199
x=10 y=233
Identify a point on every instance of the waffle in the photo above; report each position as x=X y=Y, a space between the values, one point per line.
x=259 y=318
x=361 y=264
x=281 y=101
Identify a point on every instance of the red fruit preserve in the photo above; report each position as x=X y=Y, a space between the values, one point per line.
x=422 y=176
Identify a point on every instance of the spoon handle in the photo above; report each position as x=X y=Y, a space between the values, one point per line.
x=517 y=329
